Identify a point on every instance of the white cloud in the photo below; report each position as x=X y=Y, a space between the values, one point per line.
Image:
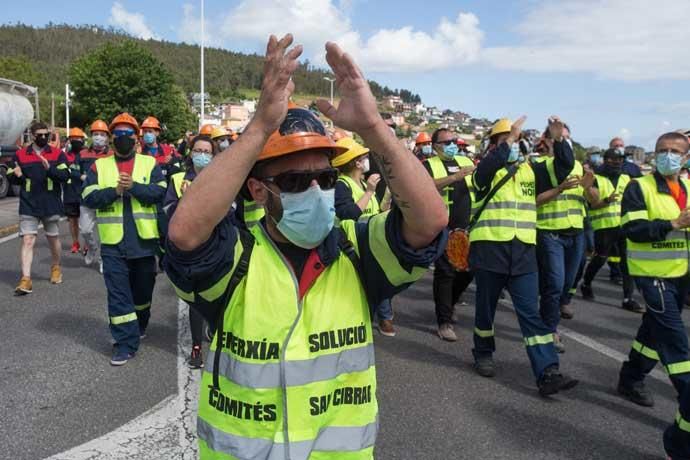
x=617 y=39
x=313 y=22
x=189 y=30
x=132 y=23
x=624 y=133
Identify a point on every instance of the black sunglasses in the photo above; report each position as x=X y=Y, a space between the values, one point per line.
x=299 y=181
x=448 y=142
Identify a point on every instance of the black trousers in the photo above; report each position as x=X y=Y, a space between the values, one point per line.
x=449 y=284
x=609 y=242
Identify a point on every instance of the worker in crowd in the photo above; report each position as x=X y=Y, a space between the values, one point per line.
x=125 y=190
x=463 y=148
x=300 y=295
x=560 y=238
x=502 y=250
x=71 y=190
x=202 y=149
x=99 y=148
x=355 y=199
x=39 y=169
x=656 y=220
x=604 y=196
x=451 y=170
x=222 y=137
x=422 y=146
x=629 y=166
x=166 y=156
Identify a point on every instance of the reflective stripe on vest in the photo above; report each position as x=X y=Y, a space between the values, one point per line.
x=567 y=210
x=438 y=171
x=357 y=192
x=660 y=259
x=512 y=212
x=610 y=215
x=296 y=376
x=111 y=219
x=253 y=213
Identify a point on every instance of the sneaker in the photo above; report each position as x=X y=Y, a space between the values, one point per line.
x=75 y=247
x=85 y=249
x=142 y=333
x=567 y=312
x=195 y=360
x=89 y=257
x=120 y=358
x=633 y=306
x=558 y=344
x=446 y=332
x=637 y=393
x=55 y=274
x=386 y=328
x=485 y=366
x=587 y=292
x=552 y=381
x=100 y=266
x=24 y=287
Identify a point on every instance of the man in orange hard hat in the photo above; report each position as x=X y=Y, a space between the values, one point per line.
x=71 y=190
x=99 y=148
x=422 y=146
x=126 y=189
x=299 y=298
x=166 y=156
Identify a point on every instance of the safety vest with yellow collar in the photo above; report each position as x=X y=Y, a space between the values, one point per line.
x=438 y=171
x=567 y=210
x=358 y=191
x=610 y=215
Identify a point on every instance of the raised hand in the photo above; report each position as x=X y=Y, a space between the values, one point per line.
x=277 y=85
x=556 y=128
x=357 y=109
x=372 y=182
x=516 y=129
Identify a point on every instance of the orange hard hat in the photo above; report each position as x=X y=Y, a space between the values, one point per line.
x=76 y=132
x=125 y=118
x=99 y=125
x=206 y=130
x=301 y=130
x=151 y=122
x=422 y=138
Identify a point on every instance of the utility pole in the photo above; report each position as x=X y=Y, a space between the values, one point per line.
x=332 y=80
x=203 y=98
x=52 y=110
x=67 y=107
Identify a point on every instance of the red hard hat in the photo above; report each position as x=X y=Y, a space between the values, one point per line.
x=461 y=141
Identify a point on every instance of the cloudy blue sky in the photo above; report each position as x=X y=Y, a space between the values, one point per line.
x=608 y=67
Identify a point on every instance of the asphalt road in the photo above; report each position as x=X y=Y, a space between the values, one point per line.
x=59 y=390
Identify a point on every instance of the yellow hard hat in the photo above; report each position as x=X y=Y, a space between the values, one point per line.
x=501 y=126
x=353 y=151
x=219 y=131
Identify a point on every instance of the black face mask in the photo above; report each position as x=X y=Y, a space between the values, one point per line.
x=41 y=141
x=612 y=170
x=124 y=146
x=76 y=146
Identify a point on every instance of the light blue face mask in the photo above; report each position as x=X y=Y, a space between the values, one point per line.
x=449 y=151
x=427 y=150
x=308 y=216
x=629 y=160
x=596 y=159
x=514 y=153
x=668 y=163
x=201 y=159
x=149 y=138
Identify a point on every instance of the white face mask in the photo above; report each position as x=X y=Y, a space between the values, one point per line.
x=364 y=164
x=100 y=140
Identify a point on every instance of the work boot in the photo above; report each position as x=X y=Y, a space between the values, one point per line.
x=552 y=381
x=195 y=360
x=120 y=358
x=75 y=247
x=567 y=312
x=484 y=365
x=55 y=274
x=633 y=306
x=446 y=332
x=558 y=344
x=587 y=292
x=24 y=287
x=637 y=393
x=386 y=327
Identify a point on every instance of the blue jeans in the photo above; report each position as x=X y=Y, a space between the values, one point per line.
x=523 y=291
x=559 y=259
x=384 y=310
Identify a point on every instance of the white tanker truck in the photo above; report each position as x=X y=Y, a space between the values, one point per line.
x=16 y=113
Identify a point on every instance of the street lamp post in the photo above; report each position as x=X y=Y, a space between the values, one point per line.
x=332 y=80
x=203 y=101
x=67 y=103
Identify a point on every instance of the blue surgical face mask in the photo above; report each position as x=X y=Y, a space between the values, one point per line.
x=596 y=159
x=629 y=160
x=427 y=150
x=201 y=159
x=149 y=138
x=514 y=153
x=308 y=216
x=668 y=163
x=449 y=151
x=100 y=140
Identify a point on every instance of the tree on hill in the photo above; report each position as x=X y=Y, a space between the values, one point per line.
x=125 y=77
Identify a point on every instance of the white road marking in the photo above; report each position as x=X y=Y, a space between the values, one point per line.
x=166 y=431
x=9 y=237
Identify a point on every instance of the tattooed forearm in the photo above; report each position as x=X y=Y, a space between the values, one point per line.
x=386 y=168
